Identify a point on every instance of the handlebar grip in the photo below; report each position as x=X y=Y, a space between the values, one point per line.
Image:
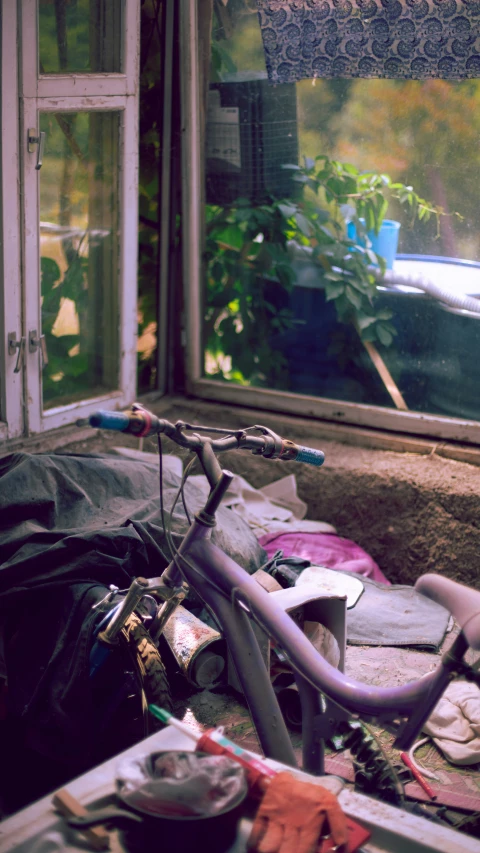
x=310 y=456
x=110 y=420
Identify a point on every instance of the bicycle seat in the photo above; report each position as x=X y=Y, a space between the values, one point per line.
x=462 y=602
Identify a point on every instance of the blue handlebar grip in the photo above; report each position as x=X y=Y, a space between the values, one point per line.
x=311 y=456
x=109 y=420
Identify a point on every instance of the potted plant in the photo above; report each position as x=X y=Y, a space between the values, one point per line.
x=251 y=264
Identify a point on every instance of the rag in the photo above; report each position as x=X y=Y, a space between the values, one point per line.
x=454 y=723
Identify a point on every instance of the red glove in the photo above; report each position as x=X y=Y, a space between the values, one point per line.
x=294 y=815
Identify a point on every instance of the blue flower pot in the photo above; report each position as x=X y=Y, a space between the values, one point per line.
x=385 y=243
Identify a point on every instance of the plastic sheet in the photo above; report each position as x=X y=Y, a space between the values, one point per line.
x=185 y=782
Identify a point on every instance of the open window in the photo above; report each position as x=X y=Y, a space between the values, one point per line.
x=70 y=280
x=263 y=323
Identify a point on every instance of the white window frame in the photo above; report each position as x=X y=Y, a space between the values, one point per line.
x=92 y=85
x=338 y=411
x=11 y=403
x=77 y=92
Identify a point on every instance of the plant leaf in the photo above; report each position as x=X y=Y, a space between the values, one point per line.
x=304 y=224
x=231 y=237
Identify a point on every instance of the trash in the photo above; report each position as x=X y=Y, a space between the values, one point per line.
x=159 y=783
x=214 y=742
x=174 y=800
x=198 y=649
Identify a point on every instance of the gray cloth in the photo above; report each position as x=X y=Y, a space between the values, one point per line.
x=395 y=615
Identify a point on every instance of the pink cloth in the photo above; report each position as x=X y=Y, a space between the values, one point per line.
x=324 y=549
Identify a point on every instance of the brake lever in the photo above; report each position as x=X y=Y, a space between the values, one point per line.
x=273 y=445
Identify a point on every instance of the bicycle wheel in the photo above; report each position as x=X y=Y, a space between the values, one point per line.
x=133 y=677
x=152 y=676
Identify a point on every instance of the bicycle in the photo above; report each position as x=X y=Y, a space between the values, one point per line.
x=328 y=697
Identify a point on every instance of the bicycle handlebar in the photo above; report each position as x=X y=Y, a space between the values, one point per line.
x=140 y=422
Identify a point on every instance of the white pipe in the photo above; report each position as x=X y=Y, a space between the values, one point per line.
x=459 y=301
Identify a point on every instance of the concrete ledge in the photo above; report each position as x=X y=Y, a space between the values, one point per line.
x=411 y=508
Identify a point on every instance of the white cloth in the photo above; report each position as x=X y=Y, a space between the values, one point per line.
x=454 y=723
x=275 y=508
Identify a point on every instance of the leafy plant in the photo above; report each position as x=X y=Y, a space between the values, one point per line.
x=249 y=276
x=67 y=364
x=251 y=271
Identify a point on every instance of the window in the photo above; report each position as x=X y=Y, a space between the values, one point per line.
x=269 y=335
x=70 y=235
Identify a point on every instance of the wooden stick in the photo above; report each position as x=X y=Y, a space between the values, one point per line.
x=68 y=806
x=385 y=375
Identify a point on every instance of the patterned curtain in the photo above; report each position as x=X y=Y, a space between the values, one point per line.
x=402 y=39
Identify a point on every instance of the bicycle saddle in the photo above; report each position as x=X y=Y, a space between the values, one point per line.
x=462 y=602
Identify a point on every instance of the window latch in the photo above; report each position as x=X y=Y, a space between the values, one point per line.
x=13 y=346
x=40 y=343
x=36 y=139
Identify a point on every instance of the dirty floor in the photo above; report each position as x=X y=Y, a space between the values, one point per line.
x=434 y=502
x=381 y=666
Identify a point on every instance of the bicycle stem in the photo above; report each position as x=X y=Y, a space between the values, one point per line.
x=209 y=462
x=137 y=590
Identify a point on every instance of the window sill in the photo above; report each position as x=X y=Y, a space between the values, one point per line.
x=411 y=503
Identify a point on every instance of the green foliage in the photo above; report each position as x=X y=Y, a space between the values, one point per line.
x=419 y=132
x=67 y=369
x=54 y=56
x=250 y=270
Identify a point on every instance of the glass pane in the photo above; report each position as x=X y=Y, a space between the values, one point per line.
x=79 y=254
x=292 y=295
x=80 y=36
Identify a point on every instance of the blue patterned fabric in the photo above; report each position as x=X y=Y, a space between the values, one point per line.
x=401 y=39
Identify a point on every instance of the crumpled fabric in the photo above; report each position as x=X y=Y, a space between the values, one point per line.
x=454 y=723
x=396 y=615
x=275 y=508
x=324 y=549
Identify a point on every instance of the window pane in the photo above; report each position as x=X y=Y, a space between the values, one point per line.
x=291 y=302
x=80 y=36
x=79 y=254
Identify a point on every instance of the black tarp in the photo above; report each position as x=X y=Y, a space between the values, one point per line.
x=69 y=527
x=66 y=518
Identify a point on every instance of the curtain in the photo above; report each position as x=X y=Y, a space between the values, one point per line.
x=402 y=39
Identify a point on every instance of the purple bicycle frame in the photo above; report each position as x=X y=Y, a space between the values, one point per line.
x=234 y=598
